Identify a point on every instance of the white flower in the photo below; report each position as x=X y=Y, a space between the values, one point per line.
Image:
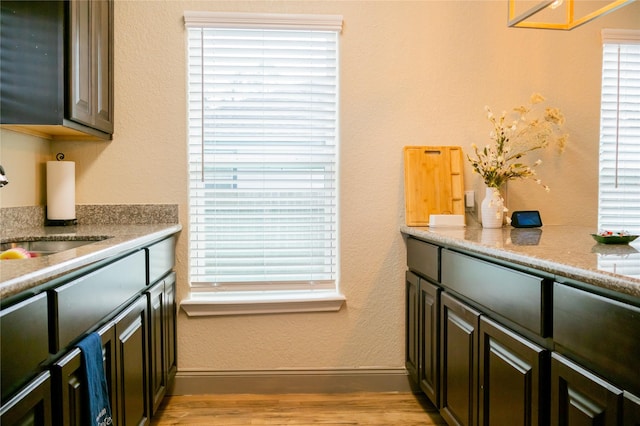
x=515 y=136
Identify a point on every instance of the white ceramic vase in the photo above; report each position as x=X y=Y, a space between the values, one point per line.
x=492 y=209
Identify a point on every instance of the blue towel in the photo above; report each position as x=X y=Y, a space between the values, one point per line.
x=97 y=394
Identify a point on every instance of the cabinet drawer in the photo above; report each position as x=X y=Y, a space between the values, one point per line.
x=81 y=304
x=517 y=296
x=161 y=258
x=600 y=333
x=24 y=337
x=423 y=258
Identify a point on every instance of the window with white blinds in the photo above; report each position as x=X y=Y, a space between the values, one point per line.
x=619 y=180
x=263 y=151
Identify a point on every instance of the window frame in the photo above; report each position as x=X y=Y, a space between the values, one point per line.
x=255 y=298
x=610 y=136
x=629 y=263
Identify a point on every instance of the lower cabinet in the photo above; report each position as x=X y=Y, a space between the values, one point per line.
x=170 y=322
x=580 y=398
x=132 y=364
x=125 y=361
x=423 y=334
x=631 y=410
x=512 y=378
x=459 y=362
x=42 y=370
x=157 y=343
x=467 y=350
x=69 y=382
x=162 y=332
x=412 y=283
x=31 y=405
x=428 y=343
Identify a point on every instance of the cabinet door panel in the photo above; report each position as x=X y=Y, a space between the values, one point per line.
x=102 y=19
x=32 y=62
x=580 y=398
x=31 y=406
x=132 y=339
x=631 y=410
x=157 y=334
x=459 y=358
x=68 y=379
x=429 y=341
x=512 y=372
x=411 y=321
x=91 y=74
x=81 y=63
x=170 y=326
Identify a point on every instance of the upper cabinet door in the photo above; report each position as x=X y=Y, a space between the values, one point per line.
x=81 y=69
x=91 y=62
x=103 y=64
x=57 y=68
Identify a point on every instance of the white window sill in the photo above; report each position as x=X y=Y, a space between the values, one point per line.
x=261 y=302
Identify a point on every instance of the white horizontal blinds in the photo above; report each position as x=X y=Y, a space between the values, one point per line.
x=263 y=116
x=619 y=183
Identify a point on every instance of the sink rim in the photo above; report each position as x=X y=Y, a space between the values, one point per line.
x=58 y=243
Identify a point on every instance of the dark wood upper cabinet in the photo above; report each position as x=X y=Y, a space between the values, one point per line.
x=56 y=78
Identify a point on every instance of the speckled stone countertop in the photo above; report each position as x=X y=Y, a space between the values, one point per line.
x=565 y=252
x=126 y=228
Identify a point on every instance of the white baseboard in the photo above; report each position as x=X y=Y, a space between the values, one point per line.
x=198 y=382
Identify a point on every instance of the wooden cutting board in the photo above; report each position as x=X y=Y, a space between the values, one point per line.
x=433 y=182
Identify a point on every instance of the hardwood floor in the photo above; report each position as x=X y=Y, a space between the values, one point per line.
x=386 y=409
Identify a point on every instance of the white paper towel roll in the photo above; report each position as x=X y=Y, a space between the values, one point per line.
x=61 y=190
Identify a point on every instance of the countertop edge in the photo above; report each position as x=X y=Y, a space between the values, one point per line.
x=30 y=280
x=561 y=272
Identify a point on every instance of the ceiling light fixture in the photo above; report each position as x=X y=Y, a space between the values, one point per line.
x=543 y=10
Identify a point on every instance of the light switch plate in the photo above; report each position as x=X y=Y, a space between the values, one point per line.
x=469 y=199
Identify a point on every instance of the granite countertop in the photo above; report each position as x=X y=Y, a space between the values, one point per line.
x=125 y=227
x=566 y=252
x=20 y=275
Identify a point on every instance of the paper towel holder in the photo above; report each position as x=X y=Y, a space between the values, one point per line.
x=58 y=222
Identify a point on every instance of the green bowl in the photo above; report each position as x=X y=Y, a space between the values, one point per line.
x=614 y=239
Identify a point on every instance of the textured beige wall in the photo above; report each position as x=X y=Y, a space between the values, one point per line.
x=24 y=159
x=413 y=73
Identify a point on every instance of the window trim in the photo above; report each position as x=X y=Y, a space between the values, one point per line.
x=261 y=302
x=626 y=264
x=610 y=37
x=263 y=21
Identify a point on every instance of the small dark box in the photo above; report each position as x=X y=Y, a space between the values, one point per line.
x=526 y=219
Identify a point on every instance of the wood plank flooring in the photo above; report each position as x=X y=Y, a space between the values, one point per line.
x=386 y=409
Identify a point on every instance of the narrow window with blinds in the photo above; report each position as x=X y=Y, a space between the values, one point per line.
x=263 y=155
x=619 y=177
